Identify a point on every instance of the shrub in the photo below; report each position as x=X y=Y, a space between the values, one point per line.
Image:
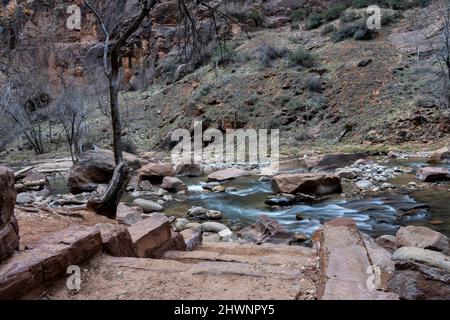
x=357 y=30
x=302 y=57
x=267 y=53
x=257 y=17
x=314 y=21
x=349 y=17
x=313 y=83
x=301 y=14
x=329 y=29
x=334 y=11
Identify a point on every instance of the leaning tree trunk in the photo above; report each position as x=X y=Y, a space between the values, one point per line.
x=107 y=204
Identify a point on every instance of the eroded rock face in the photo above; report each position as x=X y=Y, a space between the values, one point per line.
x=9 y=230
x=95 y=167
x=306 y=183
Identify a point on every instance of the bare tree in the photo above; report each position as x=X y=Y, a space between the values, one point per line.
x=115 y=42
x=71 y=113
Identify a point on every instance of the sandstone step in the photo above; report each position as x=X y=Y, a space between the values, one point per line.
x=288 y=261
x=47 y=260
x=345 y=268
x=142 y=278
x=256 y=250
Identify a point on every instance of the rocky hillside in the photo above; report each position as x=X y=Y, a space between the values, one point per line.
x=308 y=68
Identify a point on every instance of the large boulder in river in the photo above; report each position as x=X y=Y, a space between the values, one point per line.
x=433 y=174
x=306 y=183
x=148 y=206
x=173 y=184
x=189 y=170
x=95 y=167
x=9 y=230
x=155 y=172
x=333 y=161
x=227 y=174
x=422 y=237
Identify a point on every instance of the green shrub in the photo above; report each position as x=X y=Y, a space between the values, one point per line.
x=302 y=57
x=257 y=17
x=329 y=29
x=334 y=11
x=301 y=14
x=267 y=53
x=314 y=20
x=349 y=17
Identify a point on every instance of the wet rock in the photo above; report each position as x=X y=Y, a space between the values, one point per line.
x=24 y=198
x=197 y=212
x=230 y=189
x=155 y=172
x=180 y=224
x=150 y=234
x=300 y=237
x=307 y=183
x=333 y=161
x=148 y=206
x=214 y=214
x=9 y=230
x=433 y=174
x=218 y=189
x=346 y=173
x=422 y=237
x=227 y=174
x=129 y=215
x=215 y=227
x=266 y=230
x=173 y=184
x=188 y=170
x=364 y=184
x=192 y=238
x=280 y=200
x=145 y=185
x=210 y=185
x=116 y=240
x=388 y=242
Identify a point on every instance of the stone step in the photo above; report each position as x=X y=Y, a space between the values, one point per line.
x=142 y=278
x=256 y=250
x=345 y=268
x=48 y=259
x=275 y=259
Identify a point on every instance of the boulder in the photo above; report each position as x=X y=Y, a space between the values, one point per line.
x=197 y=212
x=24 y=198
x=180 y=224
x=433 y=174
x=148 y=206
x=227 y=174
x=306 y=183
x=333 y=161
x=440 y=156
x=175 y=243
x=173 y=184
x=422 y=237
x=266 y=230
x=420 y=274
x=155 y=172
x=213 y=227
x=280 y=200
x=192 y=238
x=95 y=167
x=48 y=259
x=9 y=230
x=129 y=215
x=388 y=242
x=149 y=235
x=214 y=214
x=188 y=170
x=116 y=240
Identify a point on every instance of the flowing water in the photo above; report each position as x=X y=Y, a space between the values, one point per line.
x=374 y=215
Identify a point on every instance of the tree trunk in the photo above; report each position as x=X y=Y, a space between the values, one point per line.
x=114 y=85
x=107 y=204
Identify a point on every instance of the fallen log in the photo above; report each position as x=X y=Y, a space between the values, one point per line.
x=20 y=174
x=21 y=187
